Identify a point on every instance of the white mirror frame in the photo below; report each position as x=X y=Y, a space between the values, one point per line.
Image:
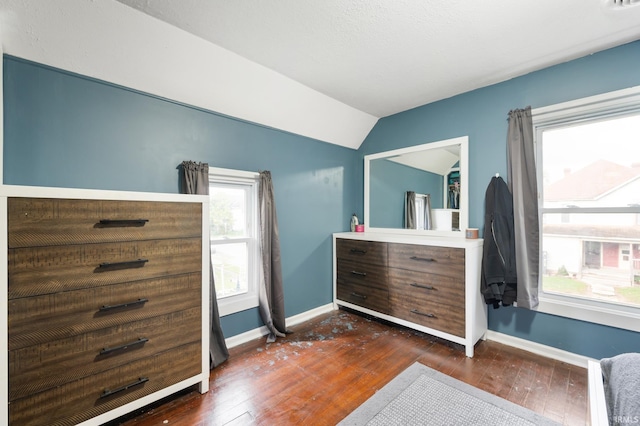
x=463 y=141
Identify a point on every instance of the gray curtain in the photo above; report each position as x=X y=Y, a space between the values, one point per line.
x=195 y=180
x=271 y=294
x=523 y=184
x=410 y=210
x=427 y=212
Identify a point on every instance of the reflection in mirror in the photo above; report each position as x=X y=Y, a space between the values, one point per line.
x=420 y=189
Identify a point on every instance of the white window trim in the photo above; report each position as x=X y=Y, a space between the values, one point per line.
x=233 y=304
x=620 y=102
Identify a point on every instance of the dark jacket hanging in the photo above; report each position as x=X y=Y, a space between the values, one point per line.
x=499 y=276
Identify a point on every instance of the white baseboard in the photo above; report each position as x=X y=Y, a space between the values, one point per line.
x=539 y=349
x=258 y=333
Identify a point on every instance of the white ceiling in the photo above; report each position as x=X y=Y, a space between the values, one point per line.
x=386 y=56
x=439 y=161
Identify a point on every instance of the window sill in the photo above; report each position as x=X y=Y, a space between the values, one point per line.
x=233 y=304
x=619 y=316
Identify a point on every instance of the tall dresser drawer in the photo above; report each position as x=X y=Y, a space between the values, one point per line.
x=34 y=320
x=446 y=261
x=44 y=270
x=43 y=222
x=362 y=251
x=51 y=364
x=90 y=396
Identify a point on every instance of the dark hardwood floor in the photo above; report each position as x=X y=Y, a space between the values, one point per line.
x=333 y=363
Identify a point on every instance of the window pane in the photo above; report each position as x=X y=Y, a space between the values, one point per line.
x=228 y=211
x=595 y=256
x=230 y=268
x=594 y=164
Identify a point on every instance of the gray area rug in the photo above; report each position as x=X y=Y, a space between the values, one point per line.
x=423 y=396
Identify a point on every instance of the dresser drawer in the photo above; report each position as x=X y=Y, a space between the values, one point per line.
x=446 y=261
x=44 y=270
x=373 y=298
x=90 y=396
x=361 y=273
x=36 y=320
x=423 y=286
x=362 y=251
x=56 y=362
x=44 y=222
x=428 y=313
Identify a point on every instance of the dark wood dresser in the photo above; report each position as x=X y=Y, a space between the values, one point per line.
x=106 y=304
x=429 y=284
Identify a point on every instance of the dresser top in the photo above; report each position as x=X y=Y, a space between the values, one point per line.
x=96 y=194
x=411 y=239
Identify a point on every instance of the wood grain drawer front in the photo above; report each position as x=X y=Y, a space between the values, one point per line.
x=37 y=320
x=43 y=270
x=362 y=251
x=361 y=273
x=424 y=286
x=50 y=364
x=446 y=261
x=44 y=222
x=362 y=295
x=88 y=397
x=442 y=317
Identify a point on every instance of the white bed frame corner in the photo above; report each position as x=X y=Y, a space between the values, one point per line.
x=596 y=403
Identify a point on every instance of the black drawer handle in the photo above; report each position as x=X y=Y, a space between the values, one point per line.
x=140 y=341
x=109 y=266
x=426 y=287
x=358 y=251
x=362 y=274
x=105 y=308
x=417 y=312
x=123 y=222
x=423 y=259
x=107 y=392
x=361 y=296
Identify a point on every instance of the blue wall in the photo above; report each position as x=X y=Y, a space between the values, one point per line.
x=65 y=130
x=388 y=183
x=482 y=115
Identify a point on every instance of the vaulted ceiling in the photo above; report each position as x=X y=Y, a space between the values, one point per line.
x=387 y=56
x=325 y=69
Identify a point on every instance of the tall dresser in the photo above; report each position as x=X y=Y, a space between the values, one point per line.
x=431 y=284
x=105 y=302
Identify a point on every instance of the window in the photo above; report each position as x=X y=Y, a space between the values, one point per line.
x=233 y=198
x=421 y=201
x=588 y=164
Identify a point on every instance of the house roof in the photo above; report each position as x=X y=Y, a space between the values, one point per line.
x=591 y=182
x=595 y=232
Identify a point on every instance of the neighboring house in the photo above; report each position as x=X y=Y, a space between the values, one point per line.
x=598 y=246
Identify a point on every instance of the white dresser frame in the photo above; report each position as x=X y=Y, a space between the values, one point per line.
x=202 y=379
x=475 y=308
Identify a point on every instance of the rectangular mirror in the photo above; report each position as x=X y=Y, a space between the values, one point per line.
x=431 y=178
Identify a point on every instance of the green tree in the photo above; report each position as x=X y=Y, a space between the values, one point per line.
x=221 y=213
